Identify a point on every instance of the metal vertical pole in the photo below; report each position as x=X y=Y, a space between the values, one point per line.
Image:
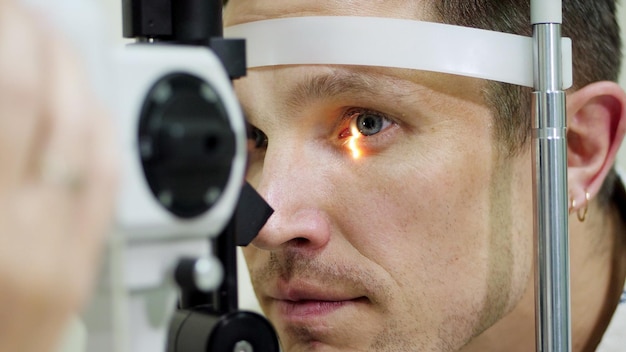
x=550 y=181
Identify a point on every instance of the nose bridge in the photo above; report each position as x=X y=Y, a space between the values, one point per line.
x=289 y=172
x=291 y=183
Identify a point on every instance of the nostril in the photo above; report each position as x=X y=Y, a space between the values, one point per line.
x=300 y=241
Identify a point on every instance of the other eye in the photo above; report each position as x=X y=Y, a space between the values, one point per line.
x=257 y=139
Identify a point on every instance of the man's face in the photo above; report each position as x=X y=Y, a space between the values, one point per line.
x=419 y=243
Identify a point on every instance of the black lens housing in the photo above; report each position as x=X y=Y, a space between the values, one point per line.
x=186 y=144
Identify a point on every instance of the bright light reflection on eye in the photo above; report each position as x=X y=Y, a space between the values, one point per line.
x=354 y=135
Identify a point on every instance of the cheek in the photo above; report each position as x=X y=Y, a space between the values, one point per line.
x=442 y=227
x=425 y=210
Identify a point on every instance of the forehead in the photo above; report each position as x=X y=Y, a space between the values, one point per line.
x=241 y=11
x=294 y=86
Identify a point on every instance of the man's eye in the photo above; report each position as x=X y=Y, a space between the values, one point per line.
x=256 y=138
x=367 y=122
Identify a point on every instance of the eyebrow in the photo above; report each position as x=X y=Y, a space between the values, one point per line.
x=337 y=83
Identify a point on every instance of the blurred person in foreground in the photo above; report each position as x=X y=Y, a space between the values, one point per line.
x=57 y=181
x=425 y=242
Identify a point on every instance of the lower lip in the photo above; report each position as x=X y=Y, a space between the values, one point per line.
x=302 y=310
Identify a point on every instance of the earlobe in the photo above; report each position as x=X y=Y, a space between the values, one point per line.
x=596 y=123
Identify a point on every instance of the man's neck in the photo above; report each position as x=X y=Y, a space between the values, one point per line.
x=598 y=270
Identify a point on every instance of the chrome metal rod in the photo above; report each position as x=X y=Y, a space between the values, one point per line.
x=551 y=201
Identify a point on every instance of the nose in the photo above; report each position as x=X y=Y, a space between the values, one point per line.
x=292 y=183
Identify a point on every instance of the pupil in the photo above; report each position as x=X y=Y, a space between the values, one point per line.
x=369 y=124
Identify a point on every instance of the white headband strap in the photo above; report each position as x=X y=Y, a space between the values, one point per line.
x=387 y=42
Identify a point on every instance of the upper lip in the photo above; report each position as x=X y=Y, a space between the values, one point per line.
x=296 y=291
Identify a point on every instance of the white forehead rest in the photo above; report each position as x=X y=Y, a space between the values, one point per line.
x=387 y=42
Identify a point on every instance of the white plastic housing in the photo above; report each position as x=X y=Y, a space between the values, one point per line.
x=138 y=214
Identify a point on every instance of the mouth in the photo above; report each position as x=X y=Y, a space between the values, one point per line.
x=303 y=303
x=299 y=311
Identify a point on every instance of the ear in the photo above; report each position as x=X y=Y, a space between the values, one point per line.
x=596 y=118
